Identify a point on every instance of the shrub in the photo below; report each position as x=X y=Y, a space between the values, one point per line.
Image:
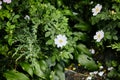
x=39 y=38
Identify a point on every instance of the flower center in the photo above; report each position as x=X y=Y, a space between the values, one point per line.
x=99 y=35
x=97 y=9
x=60 y=41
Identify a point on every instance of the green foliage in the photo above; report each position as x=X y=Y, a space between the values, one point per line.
x=87 y=62
x=27 y=67
x=15 y=75
x=82 y=27
x=115 y=46
x=114 y=74
x=28 y=29
x=83 y=49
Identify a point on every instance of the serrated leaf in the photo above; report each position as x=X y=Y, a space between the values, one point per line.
x=15 y=75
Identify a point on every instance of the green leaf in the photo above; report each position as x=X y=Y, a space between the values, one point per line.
x=51 y=61
x=15 y=18
x=15 y=75
x=60 y=74
x=67 y=12
x=112 y=74
x=115 y=46
x=26 y=66
x=82 y=27
x=107 y=35
x=3 y=49
x=80 y=36
x=47 y=34
x=49 y=42
x=118 y=1
x=43 y=65
x=37 y=70
x=84 y=49
x=87 y=62
x=64 y=55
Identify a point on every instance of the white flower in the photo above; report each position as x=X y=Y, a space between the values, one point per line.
x=7 y=1
x=101 y=73
x=92 y=51
x=99 y=35
x=27 y=17
x=60 y=40
x=97 y=9
x=110 y=68
x=89 y=78
x=0 y=2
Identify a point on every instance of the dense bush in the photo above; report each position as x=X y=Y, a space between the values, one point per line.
x=39 y=38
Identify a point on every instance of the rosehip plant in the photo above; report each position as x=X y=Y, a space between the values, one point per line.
x=40 y=38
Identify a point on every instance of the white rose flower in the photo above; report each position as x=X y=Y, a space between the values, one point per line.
x=99 y=35
x=60 y=40
x=7 y=1
x=96 y=9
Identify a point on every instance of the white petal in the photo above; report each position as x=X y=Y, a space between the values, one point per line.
x=95 y=37
x=96 y=9
x=98 y=40
x=101 y=67
x=110 y=68
x=101 y=73
x=0 y=2
x=92 y=51
x=95 y=72
x=91 y=73
x=89 y=78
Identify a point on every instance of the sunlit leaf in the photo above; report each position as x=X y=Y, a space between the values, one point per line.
x=27 y=67
x=15 y=75
x=87 y=62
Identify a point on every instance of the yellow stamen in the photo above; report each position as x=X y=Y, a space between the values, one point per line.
x=97 y=9
x=60 y=41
